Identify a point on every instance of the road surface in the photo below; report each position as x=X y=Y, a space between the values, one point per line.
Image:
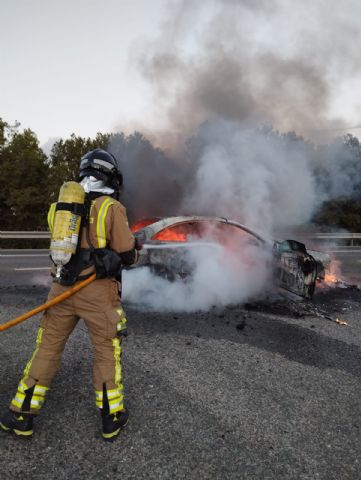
x=261 y=391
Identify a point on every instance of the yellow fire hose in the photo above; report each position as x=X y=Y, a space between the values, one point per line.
x=50 y=303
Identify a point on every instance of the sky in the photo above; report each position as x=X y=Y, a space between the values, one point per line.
x=66 y=66
x=87 y=66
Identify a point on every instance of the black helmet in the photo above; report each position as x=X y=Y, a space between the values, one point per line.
x=102 y=165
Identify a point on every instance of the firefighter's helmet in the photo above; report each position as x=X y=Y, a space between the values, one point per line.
x=103 y=166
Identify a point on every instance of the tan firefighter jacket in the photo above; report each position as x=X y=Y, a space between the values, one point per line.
x=108 y=227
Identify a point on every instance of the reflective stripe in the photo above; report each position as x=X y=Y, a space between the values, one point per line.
x=22 y=386
x=40 y=390
x=104 y=163
x=116 y=408
x=38 y=343
x=122 y=324
x=51 y=216
x=17 y=402
x=112 y=434
x=115 y=399
x=99 y=398
x=19 y=398
x=118 y=367
x=114 y=394
x=100 y=228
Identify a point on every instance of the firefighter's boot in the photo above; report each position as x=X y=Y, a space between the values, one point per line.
x=19 y=423
x=113 y=423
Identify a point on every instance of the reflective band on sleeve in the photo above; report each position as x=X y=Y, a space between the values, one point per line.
x=100 y=228
x=51 y=216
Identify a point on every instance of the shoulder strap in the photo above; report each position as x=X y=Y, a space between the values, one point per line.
x=85 y=220
x=77 y=208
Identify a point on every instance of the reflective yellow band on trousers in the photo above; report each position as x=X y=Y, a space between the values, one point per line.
x=39 y=392
x=38 y=343
x=122 y=324
x=115 y=399
x=37 y=398
x=114 y=395
x=118 y=367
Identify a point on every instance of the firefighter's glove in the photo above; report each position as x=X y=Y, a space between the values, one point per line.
x=138 y=244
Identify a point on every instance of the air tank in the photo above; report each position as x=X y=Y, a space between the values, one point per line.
x=65 y=234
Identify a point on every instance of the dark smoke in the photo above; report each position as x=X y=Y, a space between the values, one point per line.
x=153 y=183
x=274 y=62
x=222 y=69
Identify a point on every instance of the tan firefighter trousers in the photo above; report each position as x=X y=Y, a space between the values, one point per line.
x=99 y=306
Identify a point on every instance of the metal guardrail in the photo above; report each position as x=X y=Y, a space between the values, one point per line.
x=319 y=236
x=24 y=234
x=330 y=236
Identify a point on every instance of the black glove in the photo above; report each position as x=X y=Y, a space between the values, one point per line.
x=137 y=244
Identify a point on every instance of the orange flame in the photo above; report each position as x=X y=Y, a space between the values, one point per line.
x=175 y=234
x=330 y=278
x=142 y=223
x=333 y=273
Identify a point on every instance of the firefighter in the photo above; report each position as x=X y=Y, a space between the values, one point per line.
x=105 y=242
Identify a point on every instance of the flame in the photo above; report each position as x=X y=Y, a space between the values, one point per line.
x=333 y=274
x=330 y=278
x=142 y=223
x=175 y=234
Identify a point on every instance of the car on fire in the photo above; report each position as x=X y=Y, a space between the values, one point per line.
x=166 y=240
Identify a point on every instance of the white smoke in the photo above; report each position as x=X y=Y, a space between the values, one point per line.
x=261 y=180
x=241 y=65
x=221 y=275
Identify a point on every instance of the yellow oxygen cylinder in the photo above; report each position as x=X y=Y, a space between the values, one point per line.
x=65 y=234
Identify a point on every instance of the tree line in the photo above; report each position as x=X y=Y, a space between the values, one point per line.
x=30 y=180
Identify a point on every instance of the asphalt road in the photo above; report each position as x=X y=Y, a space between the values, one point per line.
x=24 y=267
x=267 y=390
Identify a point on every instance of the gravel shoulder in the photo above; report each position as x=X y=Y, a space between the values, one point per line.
x=267 y=390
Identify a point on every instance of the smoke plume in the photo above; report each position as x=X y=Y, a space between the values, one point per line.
x=221 y=276
x=271 y=62
x=221 y=71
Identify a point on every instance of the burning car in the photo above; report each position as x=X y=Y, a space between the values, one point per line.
x=166 y=242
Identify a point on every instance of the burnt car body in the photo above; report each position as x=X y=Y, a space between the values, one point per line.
x=166 y=240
